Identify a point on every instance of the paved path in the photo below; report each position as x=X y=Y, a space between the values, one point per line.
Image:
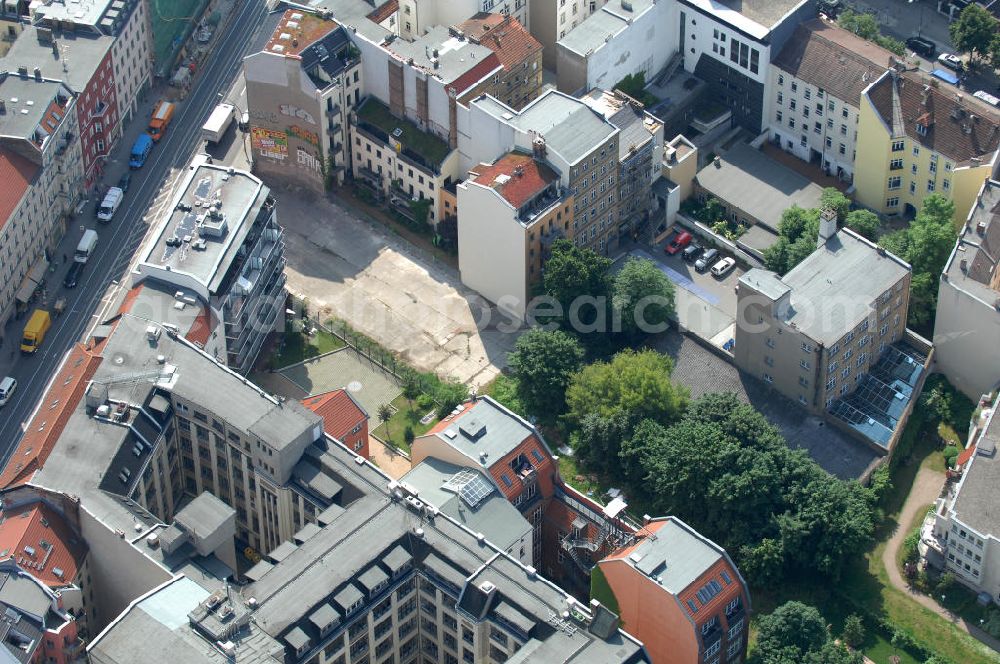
x=394 y=464
x=926 y=489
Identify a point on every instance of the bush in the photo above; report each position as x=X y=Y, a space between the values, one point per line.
x=911 y=553
x=448 y=395
x=854 y=631
x=408 y=435
x=945 y=583
x=950 y=456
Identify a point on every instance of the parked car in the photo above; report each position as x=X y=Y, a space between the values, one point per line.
x=707 y=260
x=692 y=251
x=921 y=46
x=678 y=242
x=124 y=182
x=7 y=387
x=951 y=61
x=73 y=274
x=983 y=95
x=723 y=267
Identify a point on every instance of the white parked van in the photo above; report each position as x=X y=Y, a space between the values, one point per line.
x=7 y=387
x=86 y=246
x=110 y=204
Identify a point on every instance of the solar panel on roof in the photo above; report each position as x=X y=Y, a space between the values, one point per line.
x=475 y=491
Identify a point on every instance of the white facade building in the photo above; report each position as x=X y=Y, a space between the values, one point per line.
x=551 y=20
x=416 y=17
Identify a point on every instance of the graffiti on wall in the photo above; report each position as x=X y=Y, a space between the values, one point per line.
x=269 y=143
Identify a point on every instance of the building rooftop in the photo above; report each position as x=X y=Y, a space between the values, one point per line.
x=755 y=17
x=760 y=186
x=973 y=265
x=517 y=177
x=469 y=496
x=672 y=553
x=504 y=35
x=449 y=58
x=17 y=173
x=976 y=503
x=33 y=109
x=410 y=137
x=481 y=428
x=296 y=30
x=833 y=289
x=958 y=126
x=570 y=128
x=340 y=412
x=35 y=532
x=637 y=127
x=833 y=59
x=606 y=22
x=71 y=57
x=209 y=219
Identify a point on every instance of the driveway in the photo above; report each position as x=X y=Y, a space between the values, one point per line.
x=356 y=270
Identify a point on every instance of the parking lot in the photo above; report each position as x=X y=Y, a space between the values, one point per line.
x=706 y=305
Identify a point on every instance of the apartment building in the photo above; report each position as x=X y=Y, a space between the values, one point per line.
x=681 y=594
x=301 y=89
x=917 y=139
x=967 y=323
x=343 y=418
x=817 y=80
x=519 y=209
x=621 y=38
x=519 y=53
x=219 y=251
x=35 y=626
x=730 y=46
x=816 y=333
x=551 y=20
x=640 y=153
x=965 y=527
x=84 y=63
x=128 y=22
x=416 y=17
x=40 y=158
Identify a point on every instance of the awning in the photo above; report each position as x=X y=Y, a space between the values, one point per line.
x=31 y=282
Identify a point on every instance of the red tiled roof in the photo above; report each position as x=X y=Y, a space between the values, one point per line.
x=384 y=11
x=340 y=412
x=130 y=298
x=57 y=405
x=965 y=455
x=504 y=35
x=521 y=177
x=201 y=328
x=474 y=75
x=16 y=173
x=43 y=530
x=310 y=28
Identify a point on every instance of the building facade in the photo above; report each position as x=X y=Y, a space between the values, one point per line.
x=519 y=53
x=916 y=139
x=551 y=20
x=816 y=82
x=416 y=17
x=967 y=323
x=343 y=418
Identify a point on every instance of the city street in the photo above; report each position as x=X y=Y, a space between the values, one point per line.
x=119 y=239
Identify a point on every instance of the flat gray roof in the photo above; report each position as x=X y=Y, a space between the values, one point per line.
x=747 y=15
x=976 y=502
x=24 y=594
x=455 y=56
x=750 y=180
x=28 y=113
x=979 y=250
x=677 y=556
x=204 y=514
x=484 y=428
x=607 y=21
x=570 y=128
x=82 y=53
x=216 y=207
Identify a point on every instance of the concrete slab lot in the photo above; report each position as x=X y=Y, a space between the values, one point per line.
x=383 y=287
x=367 y=382
x=702 y=372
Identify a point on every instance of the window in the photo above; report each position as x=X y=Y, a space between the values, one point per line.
x=843 y=130
x=777 y=116
x=795 y=86
x=781 y=99
x=842 y=149
x=913 y=187
x=803 y=382
x=808 y=93
x=896 y=165
x=898 y=146
x=806 y=347
x=781 y=79
x=768 y=378
x=946 y=185
x=791 y=124
x=829 y=142
x=913 y=169
x=916 y=151
x=930 y=186
x=792 y=104
x=817 y=128
x=805 y=364
x=895 y=182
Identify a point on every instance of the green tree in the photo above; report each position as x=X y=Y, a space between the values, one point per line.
x=543 y=362
x=634 y=383
x=854 y=631
x=505 y=390
x=797 y=233
x=974 y=31
x=793 y=630
x=932 y=234
x=863 y=222
x=643 y=297
x=833 y=199
x=995 y=52
x=449 y=394
x=573 y=272
x=384 y=415
x=408 y=435
x=597 y=441
x=863 y=25
x=712 y=211
x=411 y=387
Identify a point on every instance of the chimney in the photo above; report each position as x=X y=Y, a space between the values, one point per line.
x=827 y=226
x=38 y=73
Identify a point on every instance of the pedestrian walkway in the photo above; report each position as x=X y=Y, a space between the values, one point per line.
x=392 y=462
x=926 y=489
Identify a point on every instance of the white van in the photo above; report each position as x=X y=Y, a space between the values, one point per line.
x=86 y=246
x=7 y=387
x=992 y=100
x=110 y=204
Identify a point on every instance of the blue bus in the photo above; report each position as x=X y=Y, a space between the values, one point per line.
x=140 y=150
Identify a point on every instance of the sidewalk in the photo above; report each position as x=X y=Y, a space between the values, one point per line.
x=926 y=489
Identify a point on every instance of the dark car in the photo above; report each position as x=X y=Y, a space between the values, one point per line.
x=73 y=275
x=921 y=46
x=691 y=252
x=125 y=181
x=707 y=260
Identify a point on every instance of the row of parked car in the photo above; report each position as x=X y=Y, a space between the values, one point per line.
x=704 y=259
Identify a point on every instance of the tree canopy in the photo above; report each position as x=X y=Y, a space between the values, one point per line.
x=863 y=222
x=833 y=199
x=543 y=362
x=797 y=233
x=642 y=297
x=974 y=31
x=795 y=633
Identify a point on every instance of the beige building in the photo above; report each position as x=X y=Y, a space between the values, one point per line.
x=815 y=333
x=551 y=20
x=518 y=209
x=301 y=89
x=518 y=52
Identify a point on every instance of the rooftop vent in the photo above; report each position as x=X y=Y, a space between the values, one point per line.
x=987 y=448
x=38 y=73
x=472 y=428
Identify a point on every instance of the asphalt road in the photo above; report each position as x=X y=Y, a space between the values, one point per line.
x=120 y=238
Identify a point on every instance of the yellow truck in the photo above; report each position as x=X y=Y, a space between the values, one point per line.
x=34 y=331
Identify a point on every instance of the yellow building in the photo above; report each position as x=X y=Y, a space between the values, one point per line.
x=916 y=138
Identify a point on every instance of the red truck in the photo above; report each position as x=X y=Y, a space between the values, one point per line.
x=158 y=123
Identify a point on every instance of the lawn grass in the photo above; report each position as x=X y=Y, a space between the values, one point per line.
x=580 y=480
x=429 y=146
x=915 y=522
x=403 y=415
x=299 y=346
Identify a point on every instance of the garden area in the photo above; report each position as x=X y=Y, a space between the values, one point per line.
x=424 y=401
x=298 y=344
